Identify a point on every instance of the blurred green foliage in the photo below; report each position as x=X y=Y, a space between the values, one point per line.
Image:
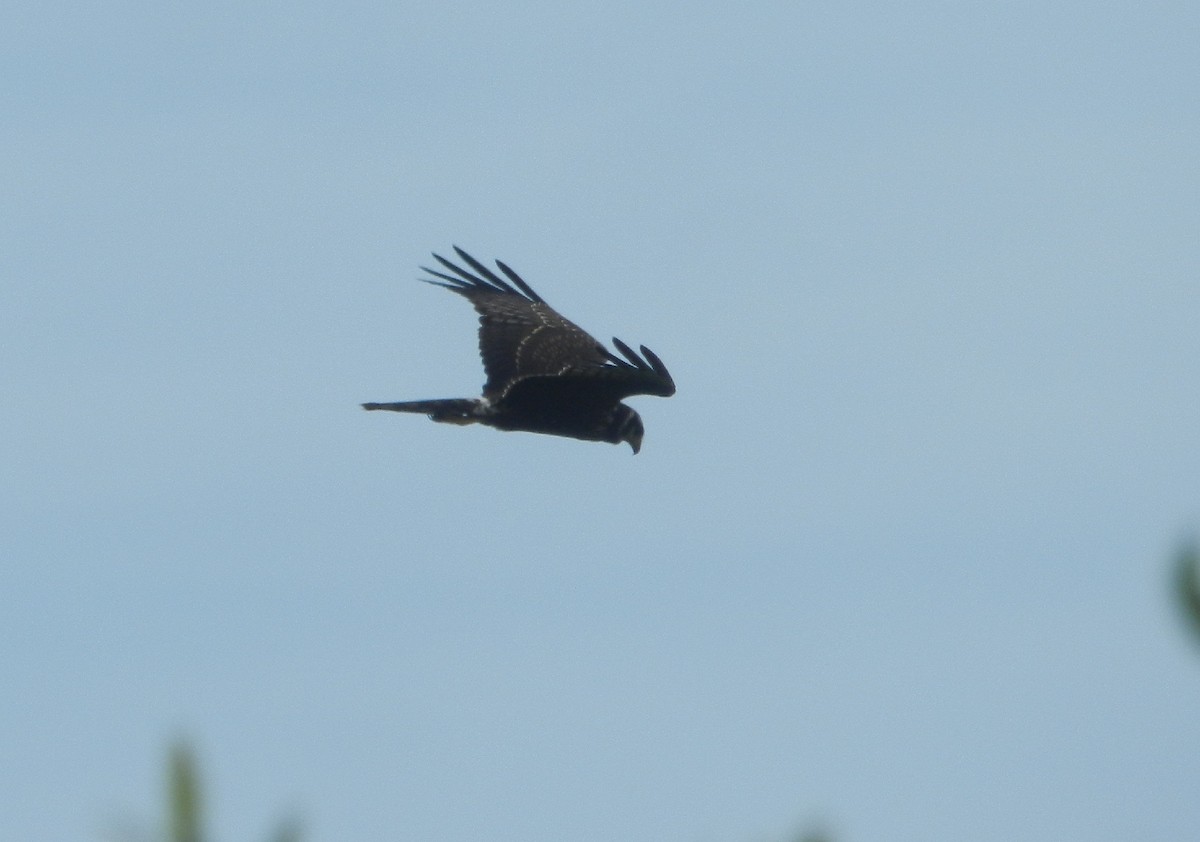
x=184 y=797
x=185 y=805
x=1187 y=585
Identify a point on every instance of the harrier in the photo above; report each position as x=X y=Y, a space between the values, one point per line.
x=544 y=373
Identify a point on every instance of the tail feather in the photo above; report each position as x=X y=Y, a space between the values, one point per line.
x=448 y=410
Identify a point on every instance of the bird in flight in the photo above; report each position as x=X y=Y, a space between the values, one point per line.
x=544 y=373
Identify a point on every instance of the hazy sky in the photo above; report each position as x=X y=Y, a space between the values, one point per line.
x=892 y=562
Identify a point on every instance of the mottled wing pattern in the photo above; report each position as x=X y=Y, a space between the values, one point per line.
x=520 y=335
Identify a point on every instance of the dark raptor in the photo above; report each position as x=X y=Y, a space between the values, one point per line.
x=545 y=374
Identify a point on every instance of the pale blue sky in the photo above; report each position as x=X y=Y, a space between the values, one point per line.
x=892 y=561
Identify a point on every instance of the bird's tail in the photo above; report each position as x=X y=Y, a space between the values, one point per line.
x=447 y=410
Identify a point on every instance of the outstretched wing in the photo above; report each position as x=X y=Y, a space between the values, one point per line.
x=520 y=335
x=591 y=391
x=619 y=378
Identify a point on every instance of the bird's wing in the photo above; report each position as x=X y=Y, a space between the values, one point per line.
x=520 y=335
x=597 y=385
x=633 y=375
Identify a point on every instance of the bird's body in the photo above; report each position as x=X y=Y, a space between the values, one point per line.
x=545 y=374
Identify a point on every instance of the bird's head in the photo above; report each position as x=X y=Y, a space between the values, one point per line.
x=626 y=426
